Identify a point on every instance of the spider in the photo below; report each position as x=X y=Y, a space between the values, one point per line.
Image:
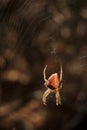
x=53 y=84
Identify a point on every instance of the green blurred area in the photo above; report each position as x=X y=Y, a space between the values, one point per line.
x=33 y=34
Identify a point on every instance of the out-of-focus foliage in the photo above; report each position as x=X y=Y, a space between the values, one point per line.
x=34 y=33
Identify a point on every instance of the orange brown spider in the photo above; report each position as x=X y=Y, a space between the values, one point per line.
x=53 y=84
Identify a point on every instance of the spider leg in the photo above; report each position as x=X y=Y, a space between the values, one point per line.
x=58 y=101
x=60 y=80
x=60 y=86
x=61 y=72
x=46 y=93
x=44 y=73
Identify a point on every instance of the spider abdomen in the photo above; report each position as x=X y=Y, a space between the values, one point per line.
x=53 y=81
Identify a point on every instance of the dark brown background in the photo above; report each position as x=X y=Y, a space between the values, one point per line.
x=34 y=33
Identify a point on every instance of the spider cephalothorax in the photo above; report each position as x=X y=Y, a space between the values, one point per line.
x=53 y=84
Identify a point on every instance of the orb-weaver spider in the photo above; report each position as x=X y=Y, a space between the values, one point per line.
x=53 y=84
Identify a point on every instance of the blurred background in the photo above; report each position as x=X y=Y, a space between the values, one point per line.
x=34 y=33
